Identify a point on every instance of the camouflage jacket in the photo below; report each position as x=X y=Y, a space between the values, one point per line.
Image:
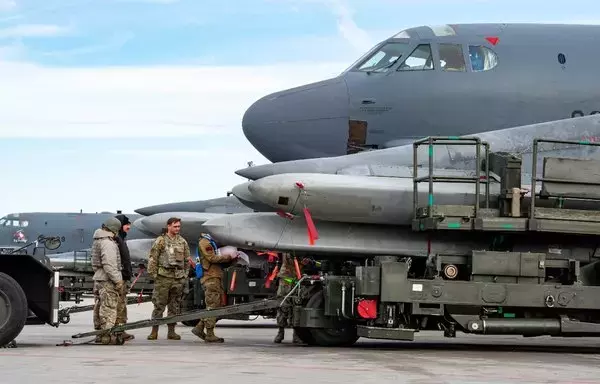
x=169 y=257
x=106 y=260
x=287 y=268
x=211 y=262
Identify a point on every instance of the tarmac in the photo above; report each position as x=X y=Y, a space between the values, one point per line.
x=250 y=356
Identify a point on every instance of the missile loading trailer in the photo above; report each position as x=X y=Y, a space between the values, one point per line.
x=538 y=276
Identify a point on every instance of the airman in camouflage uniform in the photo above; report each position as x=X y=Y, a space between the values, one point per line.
x=168 y=265
x=287 y=276
x=212 y=284
x=108 y=280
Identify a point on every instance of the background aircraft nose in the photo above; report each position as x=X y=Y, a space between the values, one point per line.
x=303 y=122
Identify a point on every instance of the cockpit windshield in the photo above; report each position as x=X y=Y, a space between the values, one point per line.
x=7 y=221
x=384 y=58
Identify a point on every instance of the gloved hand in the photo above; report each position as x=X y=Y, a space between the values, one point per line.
x=120 y=285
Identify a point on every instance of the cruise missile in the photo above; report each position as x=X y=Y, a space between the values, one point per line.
x=512 y=140
x=270 y=231
x=359 y=199
x=191 y=223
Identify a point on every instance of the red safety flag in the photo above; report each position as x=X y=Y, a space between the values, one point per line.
x=312 y=230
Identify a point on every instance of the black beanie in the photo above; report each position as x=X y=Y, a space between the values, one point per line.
x=123 y=219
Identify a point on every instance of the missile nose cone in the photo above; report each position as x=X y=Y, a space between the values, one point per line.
x=255 y=172
x=243 y=194
x=277 y=191
x=140 y=226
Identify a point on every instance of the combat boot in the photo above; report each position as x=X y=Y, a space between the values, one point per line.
x=127 y=336
x=280 y=335
x=198 y=330
x=154 y=334
x=211 y=338
x=172 y=335
x=296 y=339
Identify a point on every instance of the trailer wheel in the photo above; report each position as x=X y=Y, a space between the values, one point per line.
x=13 y=309
x=325 y=337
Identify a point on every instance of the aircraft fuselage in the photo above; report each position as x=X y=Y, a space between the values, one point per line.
x=449 y=80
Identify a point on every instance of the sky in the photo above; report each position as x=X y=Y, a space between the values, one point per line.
x=118 y=104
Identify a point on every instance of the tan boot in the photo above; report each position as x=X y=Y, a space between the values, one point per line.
x=172 y=335
x=280 y=335
x=154 y=334
x=211 y=338
x=127 y=336
x=198 y=330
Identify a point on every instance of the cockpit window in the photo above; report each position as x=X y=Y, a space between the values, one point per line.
x=384 y=58
x=420 y=59
x=482 y=58
x=11 y=222
x=451 y=58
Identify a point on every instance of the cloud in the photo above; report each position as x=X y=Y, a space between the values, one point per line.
x=347 y=27
x=33 y=30
x=7 y=5
x=162 y=101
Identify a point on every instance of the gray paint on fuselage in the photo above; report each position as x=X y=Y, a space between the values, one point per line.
x=528 y=85
x=76 y=230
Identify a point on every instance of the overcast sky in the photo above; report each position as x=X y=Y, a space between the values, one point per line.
x=119 y=104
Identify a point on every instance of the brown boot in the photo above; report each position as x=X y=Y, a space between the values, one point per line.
x=127 y=336
x=280 y=335
x=172 y=335
x=211 y=338
x=198 y=330
x=154 y=334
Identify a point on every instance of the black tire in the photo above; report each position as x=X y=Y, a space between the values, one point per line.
x=341 y=337
x=13 y=309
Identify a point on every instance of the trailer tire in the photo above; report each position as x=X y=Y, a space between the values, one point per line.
x=324 y=337
x=13 y=309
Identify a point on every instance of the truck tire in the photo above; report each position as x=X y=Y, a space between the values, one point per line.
x=13 y=309
x=323 y=337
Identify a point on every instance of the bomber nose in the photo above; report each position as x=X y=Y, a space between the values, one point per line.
x=303 y=122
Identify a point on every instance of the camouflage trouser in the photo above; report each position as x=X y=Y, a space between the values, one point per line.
x=96 y=307
x=213 y=294
x=168 y=292
x=284 y=313
x=107 y=301
x=121 y=307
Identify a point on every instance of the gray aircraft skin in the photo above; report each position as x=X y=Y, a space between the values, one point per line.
x=228 y=204
x=434 y=81
x=75 y=230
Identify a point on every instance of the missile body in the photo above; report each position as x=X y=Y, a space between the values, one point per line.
x=270 y=231
x=358 y=199
x=191 y=223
